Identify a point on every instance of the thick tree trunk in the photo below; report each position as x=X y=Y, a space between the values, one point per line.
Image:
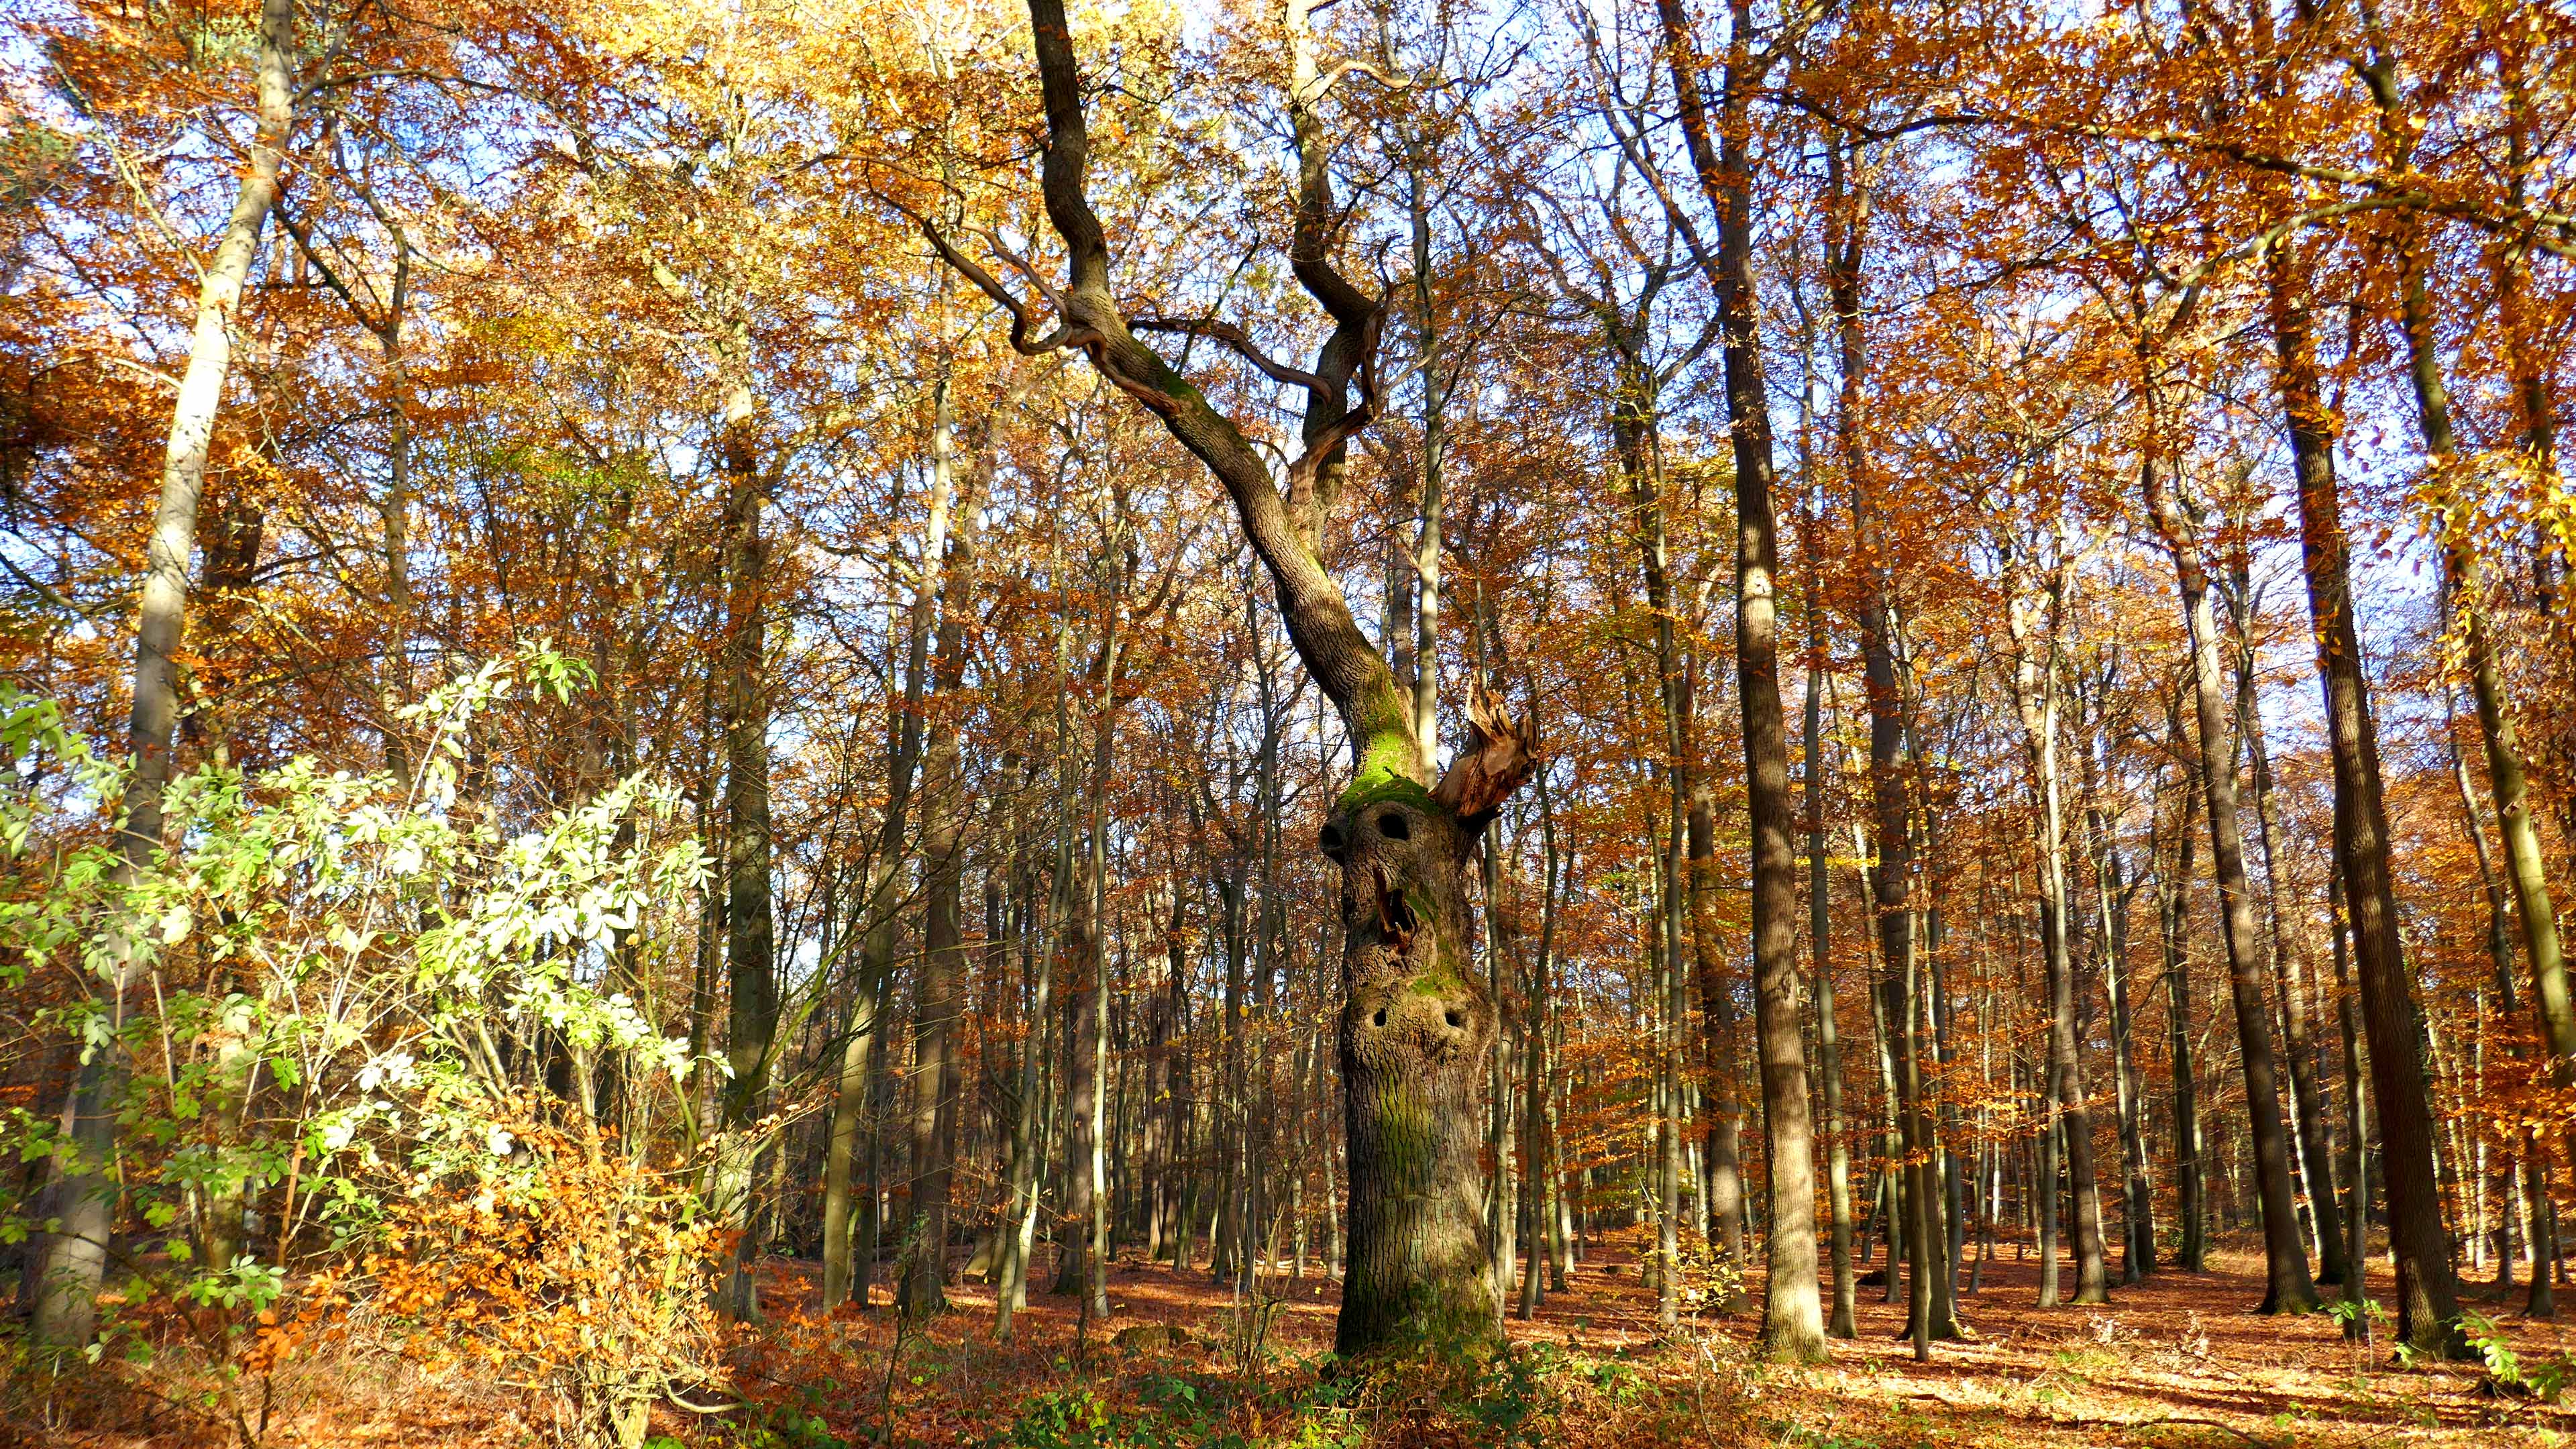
x=1417 y=1031
x=68 y=1264
x=2427 y=1297
x=1417 y=1022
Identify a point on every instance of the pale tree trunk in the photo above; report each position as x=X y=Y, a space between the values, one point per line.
x=2355 y=1218
x=68 y=1264
x=1080 y=1268
x=2173 y=923
x=2289 y=962
x=846 y=1270
x=2287 y=1288
x=1435 y=448
x=2427 y=1296
x=1891 y=882
x=1829 y=1052
x=2036 y=692
x=1538 y=1144
x=1633 y=432
x=2464 y=583
x=1028 y=1124
x=923 y=1289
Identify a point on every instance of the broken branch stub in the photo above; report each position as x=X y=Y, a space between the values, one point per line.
x=1500 y=755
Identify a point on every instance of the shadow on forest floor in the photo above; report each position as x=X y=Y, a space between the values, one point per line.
x=2176 y=1362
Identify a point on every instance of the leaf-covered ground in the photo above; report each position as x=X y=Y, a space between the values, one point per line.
x=2175 y=1363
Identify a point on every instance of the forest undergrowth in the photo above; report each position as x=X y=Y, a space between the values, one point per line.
x=2175 y=1362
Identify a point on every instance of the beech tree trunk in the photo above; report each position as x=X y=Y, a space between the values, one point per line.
x=924 y=1287
x=2173 y=921
x=2035 y=691
x=750 y=972
x=2287 y=1288
x=1793 y=1326
x=1829 y=1054
x=66 y=1266
x=2427 y=1295
x=2289 y=971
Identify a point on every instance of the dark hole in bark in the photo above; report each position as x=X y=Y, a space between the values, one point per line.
x=1381 y=1016
x=1330 y=837
x=1457 y=1017
x=1393 y=826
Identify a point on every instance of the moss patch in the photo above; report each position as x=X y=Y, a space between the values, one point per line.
x=1386 y=773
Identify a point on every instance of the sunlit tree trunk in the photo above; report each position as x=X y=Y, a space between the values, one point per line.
x=923 y=1289
x=69 y=1263
x=750 y=973
x=2287 y=1286
x=1793 y=1326
x=2289 y=964
x=2036 y=693
x=1417 y=1019
x=2427 y=1297
x=1829 y=1054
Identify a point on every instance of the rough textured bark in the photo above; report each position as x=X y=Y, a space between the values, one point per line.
x=1417 y=1022
x=2427 y=1296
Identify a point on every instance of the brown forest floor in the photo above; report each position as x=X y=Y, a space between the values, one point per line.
x=2176 y=1362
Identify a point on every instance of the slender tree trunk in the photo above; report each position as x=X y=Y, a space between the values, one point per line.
x=1829 y=1055
x=924 y=1287
x=2289 y=969
x=2287 y=1288
x=750 y=973
x=2036 y=694
x=68 y=1264
x=2427 y=1297
x=2173 y=907
x=1793 y=1327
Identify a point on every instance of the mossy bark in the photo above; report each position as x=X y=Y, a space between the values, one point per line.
x=1417 y=1031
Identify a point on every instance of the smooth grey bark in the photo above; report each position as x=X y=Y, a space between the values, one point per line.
x=2289 y=959
x=1793 y=1325
x=1829 y=1055
x=67 y=1265
x=2036 y=693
